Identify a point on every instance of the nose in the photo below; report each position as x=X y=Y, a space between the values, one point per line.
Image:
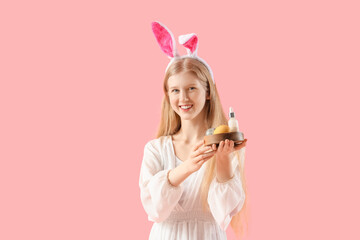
x=184 y=95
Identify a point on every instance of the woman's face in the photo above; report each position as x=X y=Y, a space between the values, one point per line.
x=186 y=94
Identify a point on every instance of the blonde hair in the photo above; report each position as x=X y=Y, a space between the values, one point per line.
x=170 y=123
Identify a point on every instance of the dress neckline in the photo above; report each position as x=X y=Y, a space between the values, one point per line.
x=173 y=149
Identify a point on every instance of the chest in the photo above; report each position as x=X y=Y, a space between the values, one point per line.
x=182 y=151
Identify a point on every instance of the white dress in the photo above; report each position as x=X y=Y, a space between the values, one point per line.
x=176 y=211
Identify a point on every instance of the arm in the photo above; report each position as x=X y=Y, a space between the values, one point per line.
x=226 y=195
x=199 y=155
x=158 y=196
x=161 y=189
x=224 y=170
x=178 y=175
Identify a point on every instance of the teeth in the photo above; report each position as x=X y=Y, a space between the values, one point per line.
x=185 y=107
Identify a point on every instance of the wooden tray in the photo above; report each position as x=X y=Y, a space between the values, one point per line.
x=237 y=137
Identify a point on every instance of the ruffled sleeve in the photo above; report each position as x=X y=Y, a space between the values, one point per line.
x=158 y=196
x=226 y=199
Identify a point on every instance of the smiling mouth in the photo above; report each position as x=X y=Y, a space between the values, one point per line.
x=186 y=107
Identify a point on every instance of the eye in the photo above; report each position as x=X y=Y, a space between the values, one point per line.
x=175 y=90
x=192 y=88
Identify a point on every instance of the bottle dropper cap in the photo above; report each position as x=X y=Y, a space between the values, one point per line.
x=231 y=113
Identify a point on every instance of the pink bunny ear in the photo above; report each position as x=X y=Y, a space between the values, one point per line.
x=165 y=39
x=190 y=41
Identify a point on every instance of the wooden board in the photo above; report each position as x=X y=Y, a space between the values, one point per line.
x=237 y=137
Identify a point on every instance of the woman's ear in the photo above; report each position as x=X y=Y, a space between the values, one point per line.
x=207 y=96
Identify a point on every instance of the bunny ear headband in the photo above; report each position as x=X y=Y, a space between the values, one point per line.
x=167 y=43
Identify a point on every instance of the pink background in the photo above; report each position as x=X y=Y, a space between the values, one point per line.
x=80 y=93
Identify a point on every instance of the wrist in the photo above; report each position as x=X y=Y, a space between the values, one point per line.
x=168 y=178
x=224 y=171
x=224 y=158
x=224 y=179
x=186 y=168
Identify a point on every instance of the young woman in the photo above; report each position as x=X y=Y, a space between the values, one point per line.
x=189 y=190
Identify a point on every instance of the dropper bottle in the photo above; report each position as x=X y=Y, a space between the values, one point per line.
x=233 y=123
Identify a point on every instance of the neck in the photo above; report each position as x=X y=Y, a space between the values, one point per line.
x=192 y=130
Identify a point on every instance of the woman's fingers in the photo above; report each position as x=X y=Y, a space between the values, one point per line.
x=201 y=162
x=199 y=144
x=221 y=146
x=243 y=144
x=230 y=146
x=227 y=145
x=214 y=147
x=201 y=150
x=204 y=156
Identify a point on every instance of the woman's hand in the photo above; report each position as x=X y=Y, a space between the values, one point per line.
x=198 y=156
x=224 y=172
x=226 y=147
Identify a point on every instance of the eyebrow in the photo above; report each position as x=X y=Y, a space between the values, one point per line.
x=189 y=85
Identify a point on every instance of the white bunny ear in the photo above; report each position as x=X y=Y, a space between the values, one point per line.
x=190 y=41
x=165 y=39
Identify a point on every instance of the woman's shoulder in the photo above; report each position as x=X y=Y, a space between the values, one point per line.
x=158 y=142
